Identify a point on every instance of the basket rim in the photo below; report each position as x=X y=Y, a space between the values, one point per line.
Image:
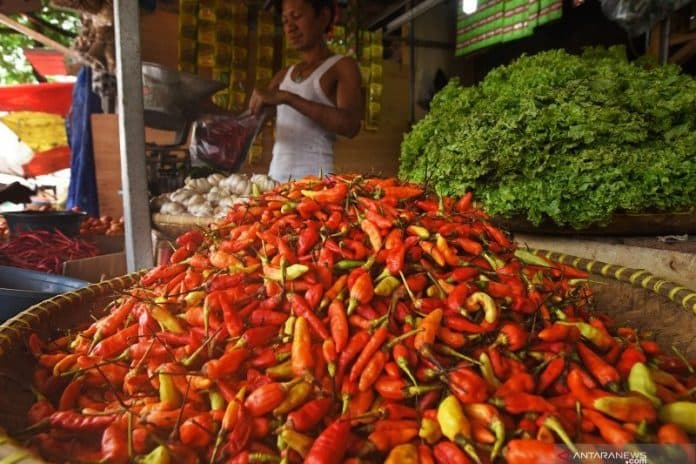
x=15 y=329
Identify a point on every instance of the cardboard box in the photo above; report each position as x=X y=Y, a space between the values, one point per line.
x=98 y=268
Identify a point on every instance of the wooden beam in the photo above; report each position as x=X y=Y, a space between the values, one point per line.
x=39 y=37
x=684 y=53
x=682 y=37
x=19 y=6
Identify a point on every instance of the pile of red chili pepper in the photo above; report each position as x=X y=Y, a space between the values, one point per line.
x=350 y=320
x=43 y=250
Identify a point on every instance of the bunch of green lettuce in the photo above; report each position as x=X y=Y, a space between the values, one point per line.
x=571 y=138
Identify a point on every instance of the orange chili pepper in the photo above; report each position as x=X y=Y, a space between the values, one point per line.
x=301 y=354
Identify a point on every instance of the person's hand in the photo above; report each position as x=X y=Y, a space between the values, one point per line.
x=262 y=98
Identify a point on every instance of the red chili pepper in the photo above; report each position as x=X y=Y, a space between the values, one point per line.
x=361 y=292
x=456 y=299
x=75 y=422
x=331 y=445
x=447 y=452
x=309 y=236
x=372 y=371
x=519 y=382
x=550 y=374
x=513 y=336
x=462 y=324
x=265 y=398
x=39 y=411
x=114 y=444
x=373 y=234
x=577 y=387
x=463 y=205
x=301 y=308
x=314 y=294
x=224 y=282
x=559 y=332
x=672 y=434
x=330 y=196
x=226 y=364
x=403 y=192
x=267 y=317
x=116 y=343
x=301 y=358
x=354 y=347
x=601 y=370
x=425 y=454
x=429 y=326
x=469 y=246
x=528 y=451
x=519 y=402
x=162 y=273
x=370 y=348
x=310 y=414
x=628 y=358
x=338 y=322
x=257 y=337
x=650 y=347
x=612 y=432
x=451 y=338
x=395 y=259
x=68 y=399
x=467 y=386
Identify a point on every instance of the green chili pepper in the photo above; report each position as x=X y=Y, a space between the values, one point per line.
x=159 y=455
x=487 y=371
x=347 y=264
x=681 y=413
x=168 y=391
x=591 y=333
x=640 y=381
x=387 y=286
x=166 y=320
x=528 y=257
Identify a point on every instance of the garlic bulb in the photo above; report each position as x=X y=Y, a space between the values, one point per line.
x=172 y=208
x=212 y=196
x=157 y=202
x=263 y=182
x=201 y=210
x=237 y=184
x=227 y=202
x=181 y=195
x=199 y=185
x=195 y=199
x=214 y=179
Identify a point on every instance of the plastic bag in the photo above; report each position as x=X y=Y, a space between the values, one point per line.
x=639 y=16
x=223 y=141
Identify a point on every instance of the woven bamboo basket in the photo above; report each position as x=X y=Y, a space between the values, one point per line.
x=633 y=297
x=173 y=226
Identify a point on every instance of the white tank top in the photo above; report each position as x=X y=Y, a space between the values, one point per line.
x=301 y=146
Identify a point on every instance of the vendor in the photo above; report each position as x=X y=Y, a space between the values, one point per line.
x=314 y=100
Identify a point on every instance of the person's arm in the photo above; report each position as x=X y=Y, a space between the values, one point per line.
x=260 y=98
x=345 y=118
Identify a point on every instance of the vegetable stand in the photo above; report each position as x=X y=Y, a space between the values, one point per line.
x=410 y=325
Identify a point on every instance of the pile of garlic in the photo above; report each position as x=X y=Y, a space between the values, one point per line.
x=212 y=196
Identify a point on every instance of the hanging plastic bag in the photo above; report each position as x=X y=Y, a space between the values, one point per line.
x=639 y=16
x=223 y=141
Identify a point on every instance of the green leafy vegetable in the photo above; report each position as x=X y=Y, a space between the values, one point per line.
x=571 y=138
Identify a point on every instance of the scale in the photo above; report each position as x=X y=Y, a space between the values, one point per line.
x=171 y=102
